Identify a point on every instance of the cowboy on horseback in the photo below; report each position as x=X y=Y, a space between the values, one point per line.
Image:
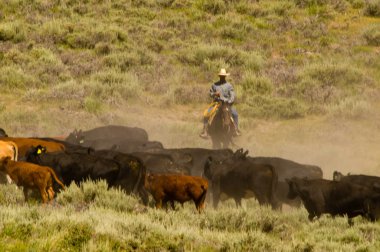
x=221 y=91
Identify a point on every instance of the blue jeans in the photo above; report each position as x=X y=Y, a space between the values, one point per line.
x=234 y=114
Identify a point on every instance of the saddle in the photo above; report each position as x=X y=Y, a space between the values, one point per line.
x=210 y=112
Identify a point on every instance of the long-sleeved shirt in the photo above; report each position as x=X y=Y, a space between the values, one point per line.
x=226 y=91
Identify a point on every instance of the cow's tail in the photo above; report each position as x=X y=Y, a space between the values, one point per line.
x=52 y=172
x=273 y=199
x=202 y=197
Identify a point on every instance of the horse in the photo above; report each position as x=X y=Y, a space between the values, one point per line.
x=221 y=126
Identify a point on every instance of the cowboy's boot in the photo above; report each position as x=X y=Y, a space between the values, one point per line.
x=237 y=131
x=204 y=133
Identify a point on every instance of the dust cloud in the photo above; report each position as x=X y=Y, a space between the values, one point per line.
x=346 y=145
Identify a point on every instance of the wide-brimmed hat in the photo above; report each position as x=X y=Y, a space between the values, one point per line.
x=223 y=72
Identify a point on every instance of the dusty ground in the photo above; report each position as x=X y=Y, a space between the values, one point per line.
x=340 y=144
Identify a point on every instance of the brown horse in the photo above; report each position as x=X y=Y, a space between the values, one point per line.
x=221 y=128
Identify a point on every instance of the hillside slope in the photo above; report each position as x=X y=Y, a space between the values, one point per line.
x=79 y=64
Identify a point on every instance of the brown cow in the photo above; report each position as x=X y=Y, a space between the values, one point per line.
x=175 y=187
x=31 y=176
x=24 y=144
x=7 y=149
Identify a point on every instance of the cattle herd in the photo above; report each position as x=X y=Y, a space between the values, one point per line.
x=126 y=159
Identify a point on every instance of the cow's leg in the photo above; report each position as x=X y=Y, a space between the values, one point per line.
x=238 y=201
x=215 y=197
x=44 y=195
x=158 y=203
x=144 y=196
x=9 y=180
x=25 y=190
x=172 y=204
x=51 y=193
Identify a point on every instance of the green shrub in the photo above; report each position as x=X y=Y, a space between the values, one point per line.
x=13 y=77
x=127 y=60
x=187 y=94
x=328 y=82
x=80 y=40
x=253 y=84
x=92 y=105
x=54 y=31
x=112 y=86
x=10 y=194
x=97 y=194
x=273 y=107
x=47 y=67
x=202 y=53
x=213 y=6
x=76 y=236
x=306 y=3
x=70 y=90
x=350 y=108
x=21 y=231
x=372 y=35
x=357 y=4
x=13 y=31
x=372 y=8
x=246 y=7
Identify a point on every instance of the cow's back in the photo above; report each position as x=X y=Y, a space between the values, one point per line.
x=115 y=131
x=24 y=144
x=287 y=169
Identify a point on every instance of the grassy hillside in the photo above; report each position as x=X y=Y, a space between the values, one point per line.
x=288 y=58
x=91 y=218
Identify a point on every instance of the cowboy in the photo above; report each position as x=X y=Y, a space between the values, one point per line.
x=222 y=91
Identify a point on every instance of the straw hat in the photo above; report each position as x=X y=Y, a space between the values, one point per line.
x=223 y=72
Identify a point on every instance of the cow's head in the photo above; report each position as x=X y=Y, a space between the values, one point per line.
x=240 y=154
x=2 y=133
x=75 y=137
x=293 y=188
x=34 y=152
x=296 y=188
x=337 y=176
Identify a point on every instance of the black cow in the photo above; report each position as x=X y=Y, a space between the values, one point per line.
x=236 y=175
x=287 y=169
x=69 y=147
x=125 y=172
x=321 y=196
x=162 y=163
x=106 y=132
x=3 y=133
x=194 y=159
x=358 y=179
x=121 y=145
x=131 y=177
